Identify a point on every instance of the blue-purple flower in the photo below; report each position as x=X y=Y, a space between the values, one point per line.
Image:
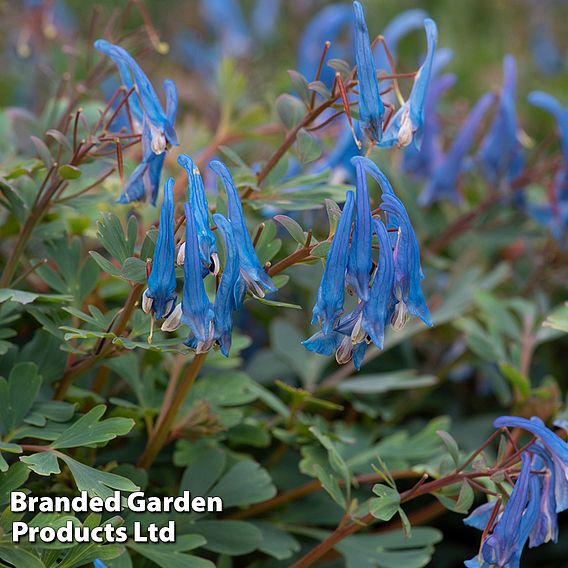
x=406 y=125
x=252 y=273
x=371 y=108
x=198 y=202
x=500 y=152
x=160 y=297
x=331 y=292
x=443 y=184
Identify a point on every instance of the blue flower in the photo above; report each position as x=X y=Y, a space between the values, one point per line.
x=331 y=293
x=161 y=128
x=195 y=309
x=344 y=339
x=378 y=310
x=444 y=179
x=99 y=564
x=420 y=163
x=252 y=272
x=504 y=546
x=556 y=447
x=264 y=18
x=228 y=294
x=371 y=108
x=500 y=152
x=325 y=25
x=359 y=263
x=160 y=296
x=198 y=202
x=226 y=18
x=144 y=182
x=406 y=125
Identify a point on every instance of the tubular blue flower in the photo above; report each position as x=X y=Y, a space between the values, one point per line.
x=198 y=202
x=99 y=564
x=252 y=272
x=162 y=130
x=325 y=25
x=228 y=293
x=444 y=179
x=546 y=527
x=480 y=516
x=160 y=297
x=264 y=17
x=359 y=263
x=371 y=108
x=421 y=162
x=331 y=293
x=500 y=152
x=378 y=310
x=408 y=272
x=556 y=447
x=406 y=125
x=227 y=19
x=550 y=104
x=144 y=182
x=196 y=309
x=504 y=546
x=345 y=339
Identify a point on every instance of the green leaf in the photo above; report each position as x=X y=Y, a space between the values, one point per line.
x=451 y=444
x=200 y=475
x=18 y=556
x=518 y=380
x=558 y=319
x=276 y=304
x=309 y=149
x=300 y=85
x=464 y=500
x=295 y=230
x=42 y=463
x=105 y=264
x=89 y=429
x=244 y=484
x=290 y=109
x=96 y=482
x=386 y=382
x=387 y=503
x=22 y=297
x=320 y=88
x=18 y=394
x=229 y=537
x=172 y=555
x=11 y=480
x=69 y=172
x=340 y=65
x=276 y=542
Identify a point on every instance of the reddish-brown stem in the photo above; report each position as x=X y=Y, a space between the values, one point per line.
x=326 y=47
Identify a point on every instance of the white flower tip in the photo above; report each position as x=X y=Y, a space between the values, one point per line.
x=405 y=132
x=216 y=263
x=181 y=255
x=173 y=321
x=146 y=302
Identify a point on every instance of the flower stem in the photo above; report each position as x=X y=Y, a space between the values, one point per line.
x=162 y=429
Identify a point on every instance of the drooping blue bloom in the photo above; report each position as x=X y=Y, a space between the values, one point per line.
x=99 y=564
x=480 y=516
x=359 y=263
x=406 y=125
x=227 y=19
x=504 y=545
x=444 y=179
x=556 y=447
x=264 y=18
x=331 y=293
x=500 y=152
x=160 y=297
x=371 y=108
x=343 y=340
x=325 y=25
x=228 y=294
x=252 y=272
x=144 y=181
x=420 y=163
x=162 y=130
x=198 y=202
x=196 y=308
x=408 y=272
x=378 y=310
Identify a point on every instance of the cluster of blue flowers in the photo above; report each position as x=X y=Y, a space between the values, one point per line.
x=149 y=119
x=539 y=494
x=210 y=323
x=387 y=292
